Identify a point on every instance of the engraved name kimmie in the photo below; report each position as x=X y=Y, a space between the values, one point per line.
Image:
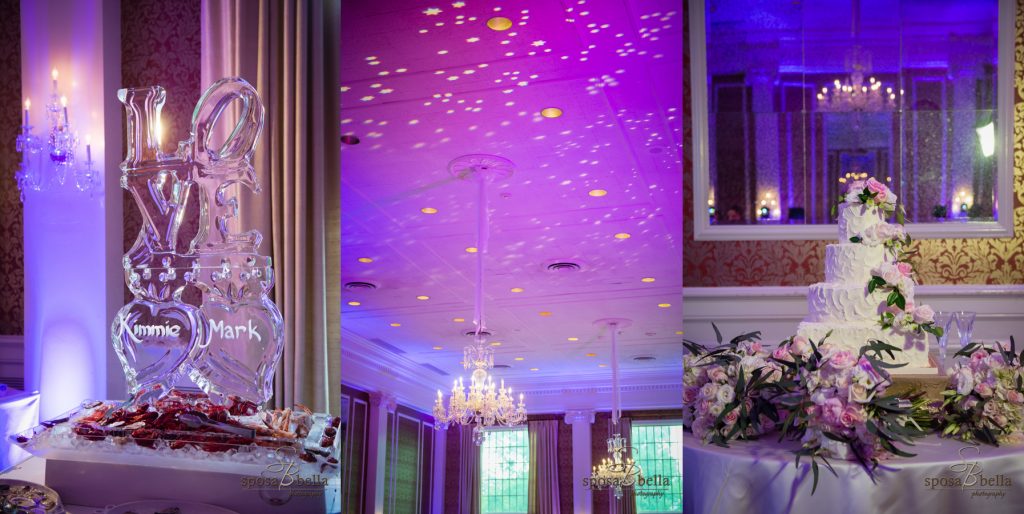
x=216 y=327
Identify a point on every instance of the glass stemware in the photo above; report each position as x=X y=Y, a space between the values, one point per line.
x=965 y=326
x=943 y=320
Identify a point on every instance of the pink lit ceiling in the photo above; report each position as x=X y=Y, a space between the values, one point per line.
x=425 y=82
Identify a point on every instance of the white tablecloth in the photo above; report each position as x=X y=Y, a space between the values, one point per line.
x=19 y=411
x=760 y=477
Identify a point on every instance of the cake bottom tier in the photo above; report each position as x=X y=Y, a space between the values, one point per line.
x=852 y=336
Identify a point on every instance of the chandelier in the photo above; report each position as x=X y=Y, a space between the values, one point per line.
x=484 y=404
x=48 y=161
x=618 y=471
x=852 y=94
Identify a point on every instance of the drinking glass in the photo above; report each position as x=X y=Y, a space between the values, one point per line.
x=965 y=326
x=943 y=320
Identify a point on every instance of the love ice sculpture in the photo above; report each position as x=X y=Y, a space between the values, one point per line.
x=229 y=344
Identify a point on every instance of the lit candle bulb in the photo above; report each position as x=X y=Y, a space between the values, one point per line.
x=159 y=133
x=54 y=74
x=28 y=104
x=64 y=105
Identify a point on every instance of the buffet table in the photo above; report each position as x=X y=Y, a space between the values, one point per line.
x=946 y=476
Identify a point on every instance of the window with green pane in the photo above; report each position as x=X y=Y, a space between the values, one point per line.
x=505 y=471
x=658 y=449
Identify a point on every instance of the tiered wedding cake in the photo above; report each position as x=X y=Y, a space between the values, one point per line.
x=868 y=293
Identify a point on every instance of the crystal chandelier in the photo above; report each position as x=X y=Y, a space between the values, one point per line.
x=852 y=94
x=48 y=161
x=483 y=405
x=618 y=471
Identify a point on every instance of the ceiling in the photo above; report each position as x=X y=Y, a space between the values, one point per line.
x=426 y=82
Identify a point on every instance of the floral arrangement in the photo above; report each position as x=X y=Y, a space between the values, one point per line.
x=726 y=390
x=837 y=407
x=985 y=398
x=872 y=193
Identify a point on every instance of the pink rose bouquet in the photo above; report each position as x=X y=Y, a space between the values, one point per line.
x=837 y=406
x=985 y=397
x=726 y=392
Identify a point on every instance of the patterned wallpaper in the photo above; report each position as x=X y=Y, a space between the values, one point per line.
x=12 y=269
x=796 y=263
x=160 y=46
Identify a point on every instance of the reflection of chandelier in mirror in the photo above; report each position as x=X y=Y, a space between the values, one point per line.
x=619 y=471
x=852 y=94
x=483 y=405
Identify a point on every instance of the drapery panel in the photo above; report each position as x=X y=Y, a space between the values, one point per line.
x=544 y=497
x=469 y=472
x=288 y=50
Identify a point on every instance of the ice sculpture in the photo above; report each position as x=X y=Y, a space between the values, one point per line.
x=231 y=342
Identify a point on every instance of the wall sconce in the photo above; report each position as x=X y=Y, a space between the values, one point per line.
x=768 y=207
x=962 y=202
x=987 y=139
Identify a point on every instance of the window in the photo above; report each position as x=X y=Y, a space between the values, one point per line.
x=658 y=449
x=505 y=471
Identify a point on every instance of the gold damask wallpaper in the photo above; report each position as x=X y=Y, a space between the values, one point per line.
x=793 y=263
x=12 y=268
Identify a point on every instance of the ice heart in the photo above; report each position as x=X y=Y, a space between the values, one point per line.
x=153 y=341
x=243 y=345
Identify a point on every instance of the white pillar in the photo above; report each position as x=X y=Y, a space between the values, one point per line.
x=376 y=455
x=73 y=241
x=582 y=499
x=440 y=453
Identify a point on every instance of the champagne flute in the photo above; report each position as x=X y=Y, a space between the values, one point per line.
x=943 y=320
x=965 y=326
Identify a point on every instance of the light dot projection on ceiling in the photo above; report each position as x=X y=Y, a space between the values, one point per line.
x=591 y=355
x=551 y=112
x=602 y=365
x=422 y=297
x=597 y=192
x=520 y=358
x=495 y=343
x=664 y=305
x=428 y=210
x=516 y=290
x=647 y=279
x=365 y=260
x=354 y=304
x=439 y=348
x=499 y=23
x=679 y=332
x=534 y=369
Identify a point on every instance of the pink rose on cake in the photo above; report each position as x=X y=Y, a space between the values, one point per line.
x=923 y=314
x=905 y=268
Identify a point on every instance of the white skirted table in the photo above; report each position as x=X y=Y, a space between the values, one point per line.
x=19 y=411
x=946 y=477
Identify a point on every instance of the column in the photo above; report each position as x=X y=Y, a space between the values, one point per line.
x=440 y=449
x=73 y=241
x=582 y=498
x=376 y=451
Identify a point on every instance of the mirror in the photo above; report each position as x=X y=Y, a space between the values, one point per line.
x=794 y=99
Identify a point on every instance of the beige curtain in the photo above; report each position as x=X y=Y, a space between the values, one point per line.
x=543 y=467
x=626 y=505
x=288 y=50
x=469 y=472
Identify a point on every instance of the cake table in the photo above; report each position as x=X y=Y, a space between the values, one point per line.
x=759 y=477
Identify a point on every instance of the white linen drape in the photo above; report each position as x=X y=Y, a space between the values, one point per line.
x=543 y=467
x=288 y=50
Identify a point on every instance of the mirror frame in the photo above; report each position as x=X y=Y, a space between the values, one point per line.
x=1003 y=227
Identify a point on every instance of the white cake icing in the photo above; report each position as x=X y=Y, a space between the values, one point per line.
x=851 y=262
x=842 y=305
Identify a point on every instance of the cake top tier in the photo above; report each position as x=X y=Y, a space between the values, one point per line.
x=867 y=203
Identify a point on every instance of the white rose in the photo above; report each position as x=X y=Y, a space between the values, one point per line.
x=709 y=391
x=726 y=394
x=858 y=393
x=852 y=196
x=716 y=409
x=924 y=314
x=964 y=381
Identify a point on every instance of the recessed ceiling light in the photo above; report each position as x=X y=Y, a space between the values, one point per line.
x=574 y=339
x=516 y=290
x=679 y=332
x=622 y=235
x=591 y=355
x=471 y=249
x=664 y=305
x=496 y=343
x=499 y=23
x=396 y=324
x=545 y=313
x=551 y=112
x=439 y=348
x=349 y=139
x=459 y=320
x=428 y=210
x=519 y=358
x=422 y=297
x=647 y=279
x=365 y=260
x=597 y=192
x=602 y=365
x=534 y=369
x=354 y=304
